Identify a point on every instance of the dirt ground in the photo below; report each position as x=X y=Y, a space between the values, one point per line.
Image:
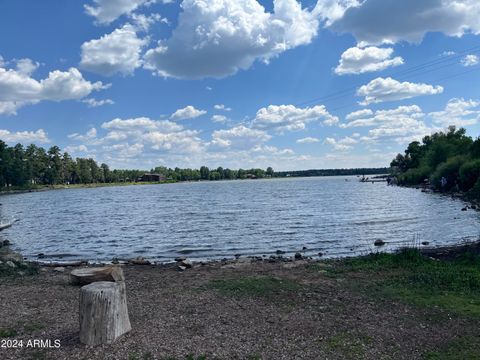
x=242 y=310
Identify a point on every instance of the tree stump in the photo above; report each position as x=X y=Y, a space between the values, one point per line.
x=87 y=276
x=103 y=312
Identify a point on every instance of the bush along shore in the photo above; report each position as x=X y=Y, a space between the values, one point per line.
x=448 y=162
x=412 y=304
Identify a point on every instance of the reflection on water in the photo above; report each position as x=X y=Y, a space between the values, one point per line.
x=211 y=220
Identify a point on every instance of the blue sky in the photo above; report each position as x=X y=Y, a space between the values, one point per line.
x=237 y=83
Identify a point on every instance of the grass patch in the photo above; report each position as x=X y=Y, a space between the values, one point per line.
x=409 y=276
x=20 y=269
x=33 y=326
x=6 y=333
x=464 y=348
x=348 y=345
x=254 y=286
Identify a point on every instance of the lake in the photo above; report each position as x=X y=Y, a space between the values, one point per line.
x=213 y=220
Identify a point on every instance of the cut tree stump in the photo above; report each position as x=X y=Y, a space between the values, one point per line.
x=87 y=276
x=103 y=312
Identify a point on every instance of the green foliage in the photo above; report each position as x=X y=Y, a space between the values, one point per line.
x=34 y=166
x=449 y=170
x=463 y=348
x=255 y=286
x=469 y=174
x=449 y=154
x=411 y=277
x=414 y=176
x=5 y=333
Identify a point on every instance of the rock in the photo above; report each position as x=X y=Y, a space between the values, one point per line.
x=181 y=268
x=320 y=254
x=280 y=252
x=473 y=207
x=237 y=256
x=180 y=258
x=115 y=261
x=6 y=243
x=379 y=242
x=464 y=209
x=11 y=264
x=298 y=256
x=59 y=269
x=41 y=256
x=425 y=243
x=187 y=264
x=139 y=261
x=304 y=248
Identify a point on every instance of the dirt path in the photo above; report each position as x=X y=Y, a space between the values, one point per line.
x=260 y=310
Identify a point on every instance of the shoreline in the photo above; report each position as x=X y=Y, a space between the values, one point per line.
x=400 y=306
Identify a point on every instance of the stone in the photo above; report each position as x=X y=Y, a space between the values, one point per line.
x=41 y=255
x=6 y=243
x=186 y=263
x=379 y=242
x=59 y=269
x=464 y=209
x=298 y=256
x=180 y=258
x=10 y=264
x=320 y=254
x=304 y=248
x=425 y=243
x=181 y=268
x=139 y=261
x=280 y=252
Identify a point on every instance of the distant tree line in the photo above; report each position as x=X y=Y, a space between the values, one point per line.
x=450 y=155
x=204 y=173
x=33 y=165
x=333 y=172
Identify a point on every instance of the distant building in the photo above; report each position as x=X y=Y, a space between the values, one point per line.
x=152 y=178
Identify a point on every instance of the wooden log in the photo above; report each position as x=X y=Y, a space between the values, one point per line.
x=103 y=312
x=87 y=276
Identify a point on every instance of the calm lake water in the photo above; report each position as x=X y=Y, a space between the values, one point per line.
x=211 y=220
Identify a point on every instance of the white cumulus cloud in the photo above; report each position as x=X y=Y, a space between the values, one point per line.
x=216 y=39
x=291 y=118
x=24 y=137
x=106 y=11
x=117 y=52
x=307 y=140
x=188 y=112
x=18 y=88
x=358 y=60
x=458 y=112
x=391 y=21
x=388 y=89
x=470 y=60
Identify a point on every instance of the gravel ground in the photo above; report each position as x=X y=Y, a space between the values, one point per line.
x=176 y=314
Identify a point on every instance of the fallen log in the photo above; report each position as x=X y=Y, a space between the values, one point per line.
x=103 y=312
x=87 y=276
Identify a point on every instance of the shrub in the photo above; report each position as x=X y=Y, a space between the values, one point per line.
x=448 y=169
x=414 y=176
x=469 y=174
x=474 y=192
